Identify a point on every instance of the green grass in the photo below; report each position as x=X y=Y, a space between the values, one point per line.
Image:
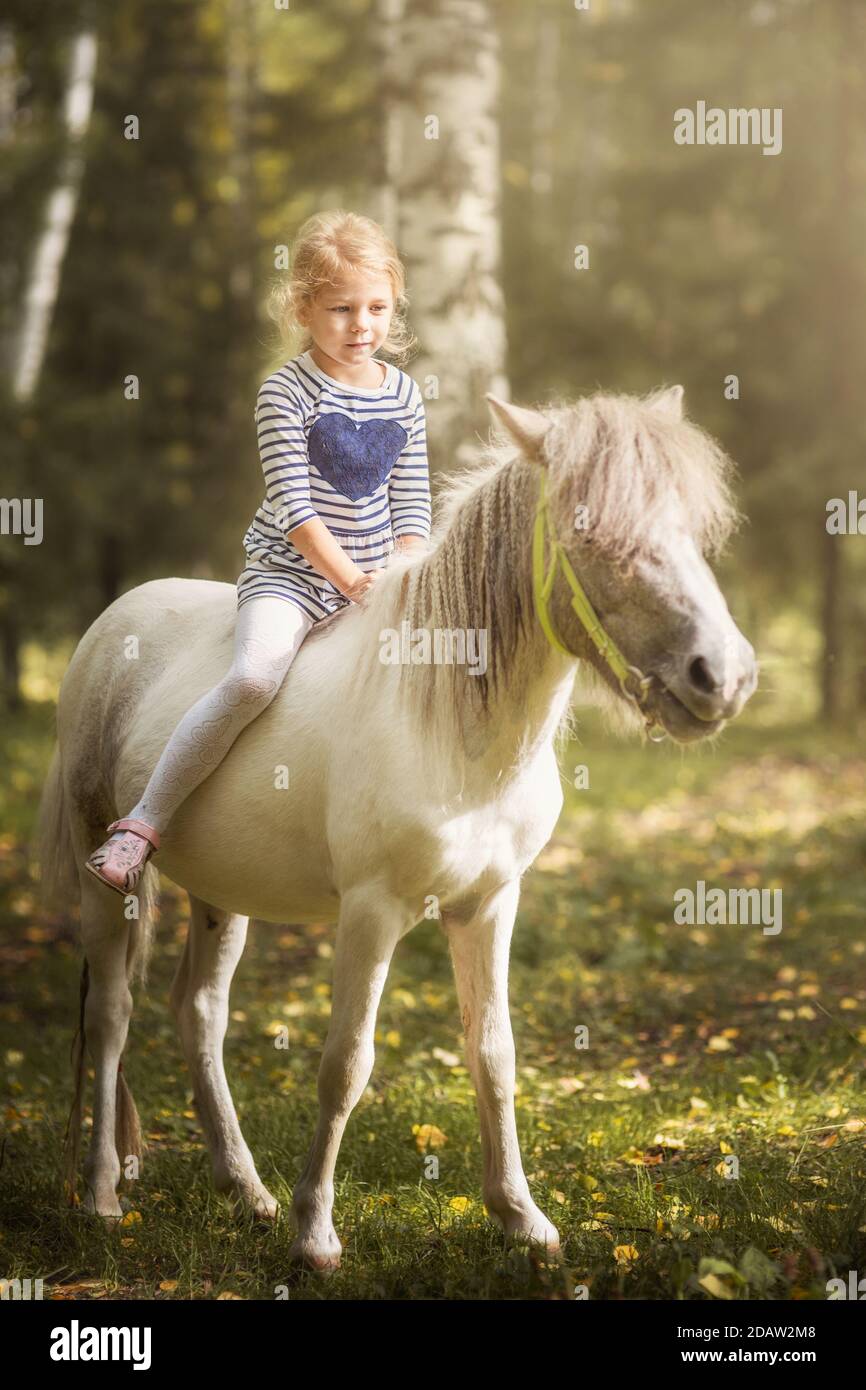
x=704 y=1041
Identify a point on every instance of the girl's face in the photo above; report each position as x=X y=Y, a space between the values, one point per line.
x=350 y=321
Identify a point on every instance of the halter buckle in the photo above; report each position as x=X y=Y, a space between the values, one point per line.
x=636 y=686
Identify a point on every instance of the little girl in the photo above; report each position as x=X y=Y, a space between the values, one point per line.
x=342 y=438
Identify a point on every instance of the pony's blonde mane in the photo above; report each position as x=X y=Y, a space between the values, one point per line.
x=622 y=456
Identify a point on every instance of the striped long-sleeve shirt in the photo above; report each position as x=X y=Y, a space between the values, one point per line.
x=354 y=456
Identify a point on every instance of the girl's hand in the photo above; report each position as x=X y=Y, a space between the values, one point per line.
x=360 y=587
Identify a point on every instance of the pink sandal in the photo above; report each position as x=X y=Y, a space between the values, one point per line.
x=120 y=863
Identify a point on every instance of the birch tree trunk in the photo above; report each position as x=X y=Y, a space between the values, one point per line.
x=240 y=85
x=448 y=214
x=390 y=15
x=40 y=295
x=7 y=84
x=8 y=113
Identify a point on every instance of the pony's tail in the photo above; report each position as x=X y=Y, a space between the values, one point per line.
x=142 y=929
x=127 y=1128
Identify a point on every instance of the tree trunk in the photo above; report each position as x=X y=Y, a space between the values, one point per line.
x=8 y=271
x=10 y=640
x=449 y=215
x=390 y=17
x=43 y=283
x=240 y=79
x=8 y=78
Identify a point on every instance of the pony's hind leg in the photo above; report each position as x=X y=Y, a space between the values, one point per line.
x=200 y=1003
x=107 y=1007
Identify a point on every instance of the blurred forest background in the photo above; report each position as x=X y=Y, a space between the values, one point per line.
x=152 y=257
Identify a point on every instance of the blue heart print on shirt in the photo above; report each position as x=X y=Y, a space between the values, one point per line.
x=355 y=459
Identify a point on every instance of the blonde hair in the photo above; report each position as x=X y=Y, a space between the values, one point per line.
x=328 y=247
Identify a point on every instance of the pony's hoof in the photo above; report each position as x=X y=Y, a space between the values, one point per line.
x=108 y=1208
x=264 y=1207
x=317 y=1256
x=532 y=1228
x=252 y=1201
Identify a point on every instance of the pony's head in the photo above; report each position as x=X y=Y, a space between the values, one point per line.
x=639 y=496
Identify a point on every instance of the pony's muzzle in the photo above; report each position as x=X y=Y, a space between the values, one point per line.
x=715 y=681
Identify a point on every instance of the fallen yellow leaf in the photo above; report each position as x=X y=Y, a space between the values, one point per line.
x=428 y=1137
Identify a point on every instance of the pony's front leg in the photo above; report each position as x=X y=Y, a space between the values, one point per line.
x=479 y=951
x=371 y=923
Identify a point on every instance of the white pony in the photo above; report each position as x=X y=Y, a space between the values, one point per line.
x=370 y=789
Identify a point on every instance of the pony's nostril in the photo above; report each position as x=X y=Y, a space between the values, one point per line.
x=701 y=676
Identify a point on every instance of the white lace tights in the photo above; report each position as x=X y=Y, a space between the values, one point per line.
x=267 y=637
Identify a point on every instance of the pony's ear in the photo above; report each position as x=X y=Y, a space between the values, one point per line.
x=526 y=427
x=668 y=402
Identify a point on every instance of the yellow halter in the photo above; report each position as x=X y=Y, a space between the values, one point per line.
x=633 y=684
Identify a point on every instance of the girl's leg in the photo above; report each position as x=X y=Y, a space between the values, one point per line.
x=267 y=637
